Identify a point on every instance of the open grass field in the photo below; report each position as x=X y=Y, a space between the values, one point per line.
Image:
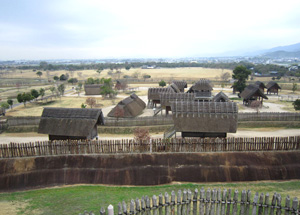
x=76 y=199
x=163 y=73
x=36 y=108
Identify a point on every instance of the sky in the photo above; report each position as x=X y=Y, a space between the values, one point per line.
x=94 y=29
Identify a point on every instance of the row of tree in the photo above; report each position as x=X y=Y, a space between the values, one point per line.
x=258 y=68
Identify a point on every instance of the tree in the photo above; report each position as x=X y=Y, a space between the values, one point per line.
x=63 y=77
x=39 y=73
x=83 y=105
x=297 y=104
x=10 y=102
x=240 y=74
x=4 y=105
x=61 y=89
x=42 y=92
x=52 y=89
x=162 y=83
x=294 y=87
x=136 y=74
x=99 y=70
x=90 y=101
x=55 y=78
x=225 y=76
x=145 y=76
x=24 y=97
x=78 y=88
x=106 y=88
x=34 y=93
x=127 y=67
x=72 y=80
x=141 y=134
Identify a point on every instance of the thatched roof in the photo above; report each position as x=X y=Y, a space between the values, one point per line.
x=181 y=85
x=70 y=121
x=252 y=90
x=167 y=98
x=138 y=100
x=221 y=97
x=153 y=93
x=174 y=87
x=131 y=106
x=260 y=84
x=272 y=84
x=92 y=89
x=201 y=85
x=205 y=116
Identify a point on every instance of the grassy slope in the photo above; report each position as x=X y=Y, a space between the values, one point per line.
x=76 y=199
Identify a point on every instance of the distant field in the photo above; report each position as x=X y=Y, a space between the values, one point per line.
x=163 y=73
x=36 y=108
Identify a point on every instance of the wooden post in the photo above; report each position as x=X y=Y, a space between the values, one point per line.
x=207 y=202
x=294 y=206
x=110 y=210
x=273 y=204
x=261 y=202
x=167 y=203
x=278 y=211
x=255 y=200
x=235 y=202
x=179 y=202
x=228 y=202
x=173 y=202
x=223 y=205
x=266 y=212
x=160 y=204
x=287 y=205
x=195 y=200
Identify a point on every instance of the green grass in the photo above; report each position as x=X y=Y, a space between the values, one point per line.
x=76 y=199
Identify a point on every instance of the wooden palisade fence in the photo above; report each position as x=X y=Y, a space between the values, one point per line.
x=166 y=120
x=48 y=148
x=211 y=202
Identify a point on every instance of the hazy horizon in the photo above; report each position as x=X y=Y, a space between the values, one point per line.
x=91 y=29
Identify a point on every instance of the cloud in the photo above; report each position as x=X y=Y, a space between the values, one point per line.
x=134 y=28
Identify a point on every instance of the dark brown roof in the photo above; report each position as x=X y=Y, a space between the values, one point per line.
x=194 y=107
x=92 y=89
x=132 y=107
x=202 y=84
x=70 y=121
x=220 y=117
x=221 y=97
x=166 y=98
x=153 y=93
x=252 y=90
x=273 y=84
x=181 y=85
x=260 y=84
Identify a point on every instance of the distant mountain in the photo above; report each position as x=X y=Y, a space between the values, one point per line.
x=283 y=54
x=280 y=51
x=289 y=51
x=289 y=48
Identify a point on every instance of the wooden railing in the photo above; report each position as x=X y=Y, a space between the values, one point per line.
x=209 y=202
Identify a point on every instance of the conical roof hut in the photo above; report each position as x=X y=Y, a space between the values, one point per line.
x=181 y=85
x=129 y=107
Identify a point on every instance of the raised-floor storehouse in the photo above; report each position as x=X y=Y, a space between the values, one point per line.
x=70 y=123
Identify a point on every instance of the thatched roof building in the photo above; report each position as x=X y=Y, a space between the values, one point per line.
x=273 y=87
x=202 y=89
x=205 y=119
x=167 y=98
x=92 y=89
x=129 y=107
x=221 y=97
x=70 y=123
x=174 y=87
x=181 y=85
x=121 y=85
x=261 y=85
x=153 y=94
x=252 y=93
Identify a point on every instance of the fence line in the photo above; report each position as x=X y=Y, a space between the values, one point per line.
x=71 y=147
x=209 y=202
x=166 y=120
